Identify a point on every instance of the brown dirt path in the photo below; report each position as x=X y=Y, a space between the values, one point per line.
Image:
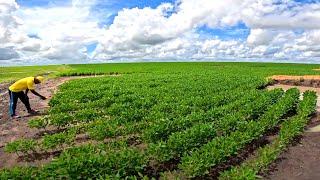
x=306 y=80
x=11 y=130
x=286 y=77
x=302 y=160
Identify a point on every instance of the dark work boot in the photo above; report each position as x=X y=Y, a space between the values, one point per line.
x=32 y=112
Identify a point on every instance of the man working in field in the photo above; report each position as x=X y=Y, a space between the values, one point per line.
x=16 y=91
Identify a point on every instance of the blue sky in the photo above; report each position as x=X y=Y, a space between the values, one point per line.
x=41 y=3
x=238 y=32
x=60 y=31
x=114 y=4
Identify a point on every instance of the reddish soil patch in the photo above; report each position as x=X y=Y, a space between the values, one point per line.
x=302 y=160
x=286 y=77
x=307 y=80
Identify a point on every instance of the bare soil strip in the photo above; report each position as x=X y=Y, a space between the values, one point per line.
x=302 y=160
x=286 y=77
x=307 y=80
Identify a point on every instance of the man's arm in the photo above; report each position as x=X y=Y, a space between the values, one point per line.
x=37 y=94
x=27 y=90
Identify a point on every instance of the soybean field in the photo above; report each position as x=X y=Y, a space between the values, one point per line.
x=165 y=121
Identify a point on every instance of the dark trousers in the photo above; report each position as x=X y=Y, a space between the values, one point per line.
x=14 y=96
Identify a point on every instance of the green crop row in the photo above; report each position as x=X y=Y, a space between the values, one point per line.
x=161 y=129
x=48 y=142
x=266 y=155
x=182 y=142
x=138 y=103
x=153 y=98
x=99 y=161
x=200 y=161
x=21 y=146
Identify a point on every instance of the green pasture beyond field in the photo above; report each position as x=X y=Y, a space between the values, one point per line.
x=264 y=69
x=8 y=74
x=164 y=120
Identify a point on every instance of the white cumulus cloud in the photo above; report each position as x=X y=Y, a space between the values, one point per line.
x=8 y=34
x=278 y=30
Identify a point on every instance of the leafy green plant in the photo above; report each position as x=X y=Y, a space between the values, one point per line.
x=101 y=129
x=40 y=123
x=58 y=140
x=21 y=146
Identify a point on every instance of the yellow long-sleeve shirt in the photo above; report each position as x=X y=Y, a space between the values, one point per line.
x=23 y=84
